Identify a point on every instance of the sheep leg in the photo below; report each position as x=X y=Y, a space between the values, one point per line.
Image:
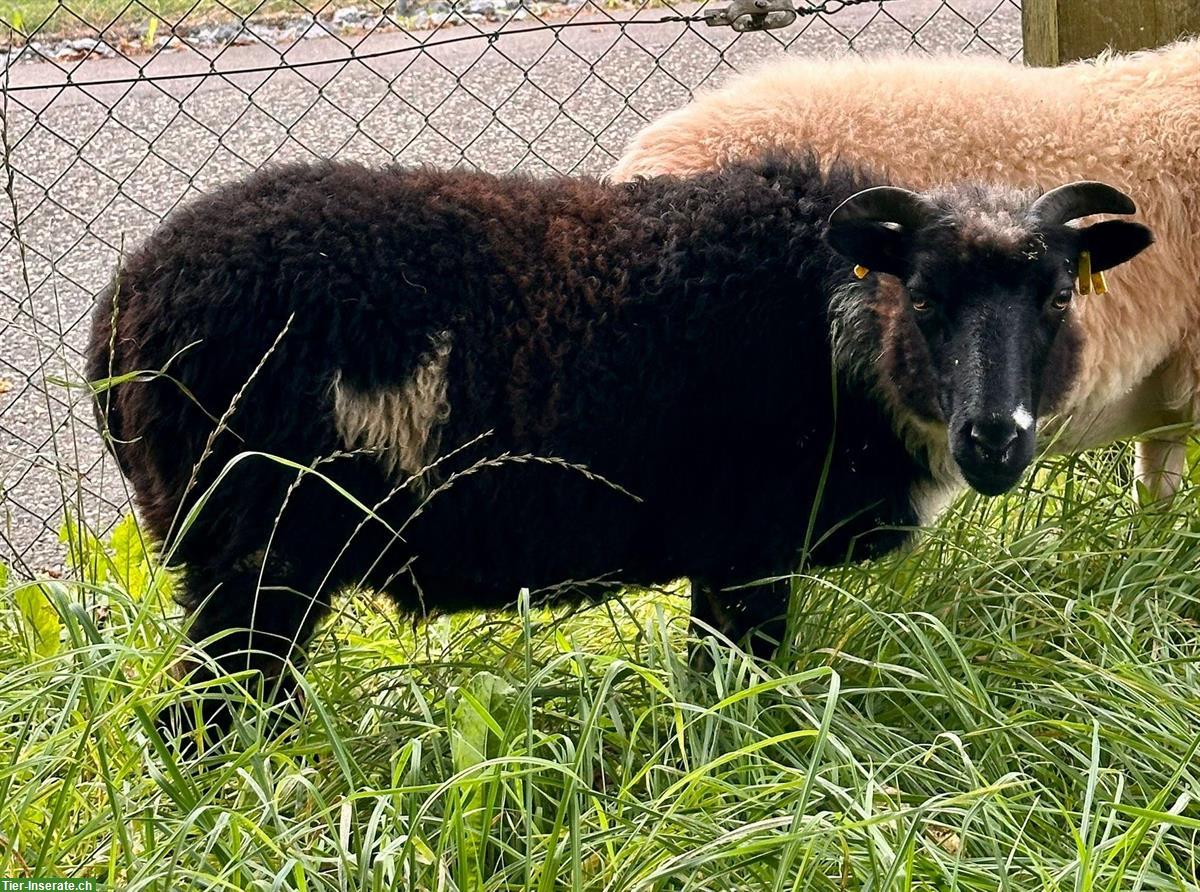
x=1159 y=467
x=754 y=618
x=256 y=619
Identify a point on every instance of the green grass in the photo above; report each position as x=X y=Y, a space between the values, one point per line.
x=48 y=19
x=1013 y=705
x=132 y=26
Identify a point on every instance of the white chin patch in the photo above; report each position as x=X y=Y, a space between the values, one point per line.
x=1022 y=419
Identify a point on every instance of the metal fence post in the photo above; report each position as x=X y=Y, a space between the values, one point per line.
x=1058 y=31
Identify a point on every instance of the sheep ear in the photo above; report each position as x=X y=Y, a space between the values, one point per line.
x=1113 y=242
x=876 y=246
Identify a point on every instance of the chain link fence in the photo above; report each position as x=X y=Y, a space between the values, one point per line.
x=115 y=111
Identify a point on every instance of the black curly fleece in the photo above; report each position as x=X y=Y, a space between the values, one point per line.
x=671 y=335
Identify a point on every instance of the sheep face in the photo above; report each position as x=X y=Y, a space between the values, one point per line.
x=973 y=309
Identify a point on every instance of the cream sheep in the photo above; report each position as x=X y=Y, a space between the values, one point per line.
x=1130 y=120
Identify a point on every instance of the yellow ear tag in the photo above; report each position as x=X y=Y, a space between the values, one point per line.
x=861 y=271
x=1083 y=281
x=1099 y=283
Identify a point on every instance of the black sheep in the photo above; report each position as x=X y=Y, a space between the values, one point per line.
x=668 y=378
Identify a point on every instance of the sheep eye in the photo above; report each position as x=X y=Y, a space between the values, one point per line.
x=920 y=304
x=1062 y=300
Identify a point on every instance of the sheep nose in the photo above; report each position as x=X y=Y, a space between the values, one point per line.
x=993 y=435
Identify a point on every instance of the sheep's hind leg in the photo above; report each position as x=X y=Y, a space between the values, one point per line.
x=754 y=617
x=256 y=618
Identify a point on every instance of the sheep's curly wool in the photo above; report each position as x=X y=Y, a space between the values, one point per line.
x=672 y=336
x=1130 y=120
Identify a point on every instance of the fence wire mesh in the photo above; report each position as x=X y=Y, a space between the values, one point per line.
x=115 y=111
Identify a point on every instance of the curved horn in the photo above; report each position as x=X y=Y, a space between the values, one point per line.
x=883 y=204
x=1082 y=199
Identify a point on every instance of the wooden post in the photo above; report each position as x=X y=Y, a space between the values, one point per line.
x=1058 y=31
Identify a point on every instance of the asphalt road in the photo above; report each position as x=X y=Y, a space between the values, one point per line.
x=94 y=168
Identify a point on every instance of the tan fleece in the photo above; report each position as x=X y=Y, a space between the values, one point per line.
x=1130 y=120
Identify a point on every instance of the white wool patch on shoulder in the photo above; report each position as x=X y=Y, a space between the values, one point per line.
x=401 y=423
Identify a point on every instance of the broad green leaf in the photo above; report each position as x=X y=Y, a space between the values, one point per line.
x=41 y=621
x=482 y=709
x=134 y=567
x=86 y=554
x=477 y=724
